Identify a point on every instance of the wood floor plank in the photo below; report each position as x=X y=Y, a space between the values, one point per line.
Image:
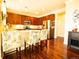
x=55 y=50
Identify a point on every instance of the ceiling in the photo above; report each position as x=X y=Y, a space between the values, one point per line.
x=34 y=8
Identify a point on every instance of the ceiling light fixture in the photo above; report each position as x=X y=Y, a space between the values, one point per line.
x=43 y=9
x=36 y=12
x=25 y=8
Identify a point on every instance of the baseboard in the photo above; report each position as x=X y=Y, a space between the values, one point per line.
x=60 y=37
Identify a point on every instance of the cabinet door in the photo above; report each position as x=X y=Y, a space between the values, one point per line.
x=17 y=19
x=22 y=19
x=37 y=21
x=40 y=22
x=10 y=18
x=13 y=18
x=26 y=19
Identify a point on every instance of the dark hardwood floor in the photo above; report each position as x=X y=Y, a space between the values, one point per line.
x=55 y=50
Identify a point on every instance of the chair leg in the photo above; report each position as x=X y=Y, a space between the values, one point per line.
x=46 y=43
x=19 y=52
x=41 y=45
x=32 y=48
x=30 y=51
x=25 y=48
x=38 y=47
x=5 y=57
x=35 y=48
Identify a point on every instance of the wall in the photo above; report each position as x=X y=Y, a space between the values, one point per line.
x=1 y=26
x=59 y=24
x=71 y=6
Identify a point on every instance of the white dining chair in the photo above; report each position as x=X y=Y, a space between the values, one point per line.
x=24 y=36
x=35 y=38
x=10 y=43
x=43 y=37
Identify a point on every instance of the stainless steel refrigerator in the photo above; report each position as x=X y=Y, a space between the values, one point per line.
x=49 y=24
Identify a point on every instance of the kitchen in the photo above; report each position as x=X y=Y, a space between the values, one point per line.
x=13 y=22
x=38 y=29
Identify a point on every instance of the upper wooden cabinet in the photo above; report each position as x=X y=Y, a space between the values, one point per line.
x=20 y=19
x=49 y=17
x=13 y=18
x=37 y=21
x=26 y=19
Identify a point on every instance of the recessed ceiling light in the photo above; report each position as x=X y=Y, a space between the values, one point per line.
x=43 y=9
x=36 y=12
x=20 y=0
x=25 y=8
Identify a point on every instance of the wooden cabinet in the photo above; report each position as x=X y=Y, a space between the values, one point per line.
x=37 y=21
x=23 y=18
x=13 y=18
x=20 y=19
x=26 y=19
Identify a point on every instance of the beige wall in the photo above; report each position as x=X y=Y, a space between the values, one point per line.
x=1 y=27
x=59 y=25
x=0 y=1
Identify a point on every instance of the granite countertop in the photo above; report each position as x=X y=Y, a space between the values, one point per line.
x=29 y=29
